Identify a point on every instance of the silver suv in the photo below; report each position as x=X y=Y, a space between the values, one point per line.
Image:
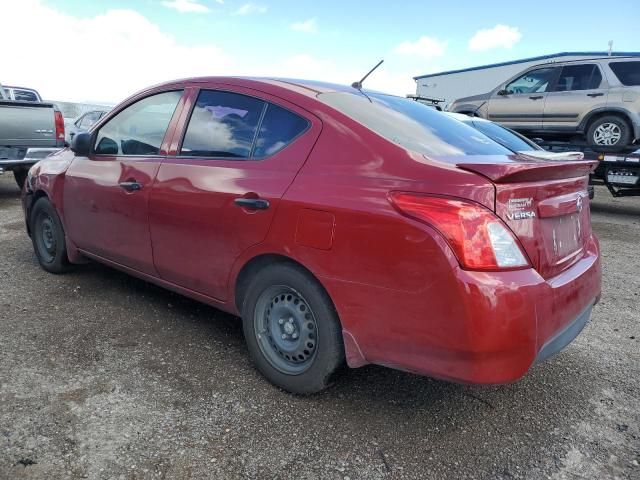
x=597 y=98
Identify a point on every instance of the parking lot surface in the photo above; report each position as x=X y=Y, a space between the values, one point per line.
x=106 y=376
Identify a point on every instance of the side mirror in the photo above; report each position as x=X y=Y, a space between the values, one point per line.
x=81 y=144
x=503 y=92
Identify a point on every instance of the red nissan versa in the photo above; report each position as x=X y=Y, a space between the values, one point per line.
x=342 y=225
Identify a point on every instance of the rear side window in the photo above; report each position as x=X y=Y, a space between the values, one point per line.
x=140 y=128
x=578 y=77
x=627 y=72
x=413 y=125
x=278 y=129
x=222 y=125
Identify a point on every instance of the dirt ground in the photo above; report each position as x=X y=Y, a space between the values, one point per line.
x=105 y=376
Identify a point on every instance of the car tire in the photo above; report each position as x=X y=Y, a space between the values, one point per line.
x=292 y=329
x=610 y=133
x=20 y=175
x=47 y=236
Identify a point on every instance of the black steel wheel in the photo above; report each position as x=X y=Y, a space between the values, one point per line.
x=285 y=329
x=292 y=329
x=47 y=236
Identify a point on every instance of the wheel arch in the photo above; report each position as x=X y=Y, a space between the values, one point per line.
x=257 y=263
x=603 y=112
x=35 y=196
x=352 y=350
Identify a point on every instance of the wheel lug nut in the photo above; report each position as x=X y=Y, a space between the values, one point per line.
x=295 y=335
x=290 y=319
x=284 y=336
x=281 y=321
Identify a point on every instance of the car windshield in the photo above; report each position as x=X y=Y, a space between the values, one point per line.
x=413 y=125
x=503 y=136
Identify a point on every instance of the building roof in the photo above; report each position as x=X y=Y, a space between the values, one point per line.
x=533 y=59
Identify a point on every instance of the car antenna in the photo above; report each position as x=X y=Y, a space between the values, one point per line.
x=358 y=85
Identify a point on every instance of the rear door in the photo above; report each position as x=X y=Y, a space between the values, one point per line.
x=520 y=105
x=580 y=89
x=106 y=195
x=237 y=153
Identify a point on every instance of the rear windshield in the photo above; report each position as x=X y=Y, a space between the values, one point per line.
x=627 y=72
x=504 y=136
x=413 y=125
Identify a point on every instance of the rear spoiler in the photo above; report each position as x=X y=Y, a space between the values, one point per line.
x=531 y=171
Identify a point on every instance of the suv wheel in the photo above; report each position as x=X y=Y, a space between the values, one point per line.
x=609 y=133
x=292 y=329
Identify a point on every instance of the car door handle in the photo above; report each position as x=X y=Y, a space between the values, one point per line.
x=536 y=97
x=252 y=203
x=130 y=186
x=595 y=94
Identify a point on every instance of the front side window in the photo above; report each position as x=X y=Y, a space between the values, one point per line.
x=140 y=128
x=89 y=119
x=222 y=125
x=578 y=77
x=536 y=81
x=413 y=125
x=627 y=72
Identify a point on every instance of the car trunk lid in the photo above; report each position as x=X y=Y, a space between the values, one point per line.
x=545 y=203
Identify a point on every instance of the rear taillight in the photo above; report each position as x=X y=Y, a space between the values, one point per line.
x=480 y=240
x=59 y=125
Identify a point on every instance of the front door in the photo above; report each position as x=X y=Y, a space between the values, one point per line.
x=520 y=105
x=579 y=90
x=106 y=195
x=236 y=156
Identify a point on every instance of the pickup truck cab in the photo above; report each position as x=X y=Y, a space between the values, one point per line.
x=22 y=94
x=29 y=131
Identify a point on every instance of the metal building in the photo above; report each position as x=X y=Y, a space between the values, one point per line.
x=456 y=84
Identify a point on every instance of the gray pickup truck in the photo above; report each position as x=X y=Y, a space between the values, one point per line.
x=29 y=131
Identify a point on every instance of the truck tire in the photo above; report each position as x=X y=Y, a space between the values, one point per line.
x=47 y=236
x=292 y=329
x=20 y=175
x=610 y=133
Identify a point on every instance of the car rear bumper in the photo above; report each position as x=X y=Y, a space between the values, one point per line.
x=23 y=157
x=501 y=324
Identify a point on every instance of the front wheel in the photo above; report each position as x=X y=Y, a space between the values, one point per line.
x=292 y=329
x=48 y=237
x=610 y=133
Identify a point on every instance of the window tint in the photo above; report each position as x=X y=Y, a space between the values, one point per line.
x=279 y=127
x=627 y=72
x=223 y=124
x=25 y=96
x=536 y=81
x=578 y=77
x=139 y=128
x=413 y=125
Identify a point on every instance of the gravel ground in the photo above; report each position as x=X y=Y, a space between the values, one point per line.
x=105 y=376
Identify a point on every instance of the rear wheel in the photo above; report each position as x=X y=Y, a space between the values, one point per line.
x=292 y=329
x=20 y=175
x=47 y=236
x=609 y=133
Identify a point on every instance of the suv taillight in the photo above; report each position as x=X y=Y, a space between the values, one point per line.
x=479 y=239
x=59 y=121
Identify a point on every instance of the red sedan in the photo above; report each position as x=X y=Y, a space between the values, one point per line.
x=342 y=225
